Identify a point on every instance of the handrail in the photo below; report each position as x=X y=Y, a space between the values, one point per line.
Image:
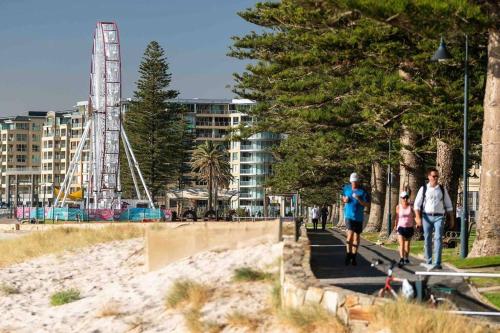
x=462 y=274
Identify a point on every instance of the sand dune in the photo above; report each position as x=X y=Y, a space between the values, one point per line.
x=119 y=296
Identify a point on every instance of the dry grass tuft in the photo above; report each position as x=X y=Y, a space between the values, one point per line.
x=7 y=289
x=137 y=324
x=195 y=324
x=246 y=274
x=405 y=317
x=111 y=309
x=187 y=293
x=61 y=239
x=311 y=319
x=239 y=319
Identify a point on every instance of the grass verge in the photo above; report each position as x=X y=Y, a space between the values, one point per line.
x=407 y=317
x=61 y=239
x=493 y=298
x=64 y=297
x=246 y=274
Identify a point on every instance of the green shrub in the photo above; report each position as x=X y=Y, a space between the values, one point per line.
x=64 y=297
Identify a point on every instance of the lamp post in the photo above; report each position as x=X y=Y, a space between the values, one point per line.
x=440 y=55
x=389 y=183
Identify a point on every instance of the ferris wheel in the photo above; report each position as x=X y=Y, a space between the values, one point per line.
x=104 y=129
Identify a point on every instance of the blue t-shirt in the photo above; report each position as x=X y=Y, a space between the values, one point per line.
x=353 y=210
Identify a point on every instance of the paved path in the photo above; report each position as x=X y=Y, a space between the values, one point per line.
x=327 y=263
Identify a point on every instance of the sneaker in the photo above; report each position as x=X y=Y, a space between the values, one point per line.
x=407 y=262
x=437 y=267
x=428 y=267
x=347 y=259
x=401 y=263
x=353 y=260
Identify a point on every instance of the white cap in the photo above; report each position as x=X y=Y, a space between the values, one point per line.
x=354 y=177
x=404 y=194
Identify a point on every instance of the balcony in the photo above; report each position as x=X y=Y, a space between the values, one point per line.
x=251 y=195
x=264 y=136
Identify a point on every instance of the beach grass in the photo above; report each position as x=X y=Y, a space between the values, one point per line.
x=311 y=318
x=240 y=319
x=8 y=289
x=64 y=297
x=61 y=239
x=187 y=293
x=402 y=316
x=247 y=274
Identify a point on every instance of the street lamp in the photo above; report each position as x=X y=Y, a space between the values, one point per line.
x=440 y=55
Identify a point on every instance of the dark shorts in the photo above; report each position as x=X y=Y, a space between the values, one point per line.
x=406 y=232
x=356 y=226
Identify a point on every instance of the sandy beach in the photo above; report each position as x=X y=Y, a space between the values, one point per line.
x=118 y=295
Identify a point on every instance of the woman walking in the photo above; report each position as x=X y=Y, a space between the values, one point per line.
x=405 y=227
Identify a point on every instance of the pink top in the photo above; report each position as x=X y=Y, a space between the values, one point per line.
x=406 y=219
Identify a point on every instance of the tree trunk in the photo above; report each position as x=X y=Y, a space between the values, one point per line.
x=341 y=222
x=410 y=167
x=487 y=242
x=394 y=201
x=377 y=198
x=210 y=188
x=449 y=167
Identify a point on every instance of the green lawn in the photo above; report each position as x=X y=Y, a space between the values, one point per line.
x=494 y=298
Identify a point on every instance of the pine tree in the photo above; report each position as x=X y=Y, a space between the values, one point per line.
x=154 y=125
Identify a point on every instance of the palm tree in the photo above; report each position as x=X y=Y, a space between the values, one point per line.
x=210 y=162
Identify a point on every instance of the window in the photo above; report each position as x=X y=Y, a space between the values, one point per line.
x=21 y=158
x=21 y=147
x=21 y=137
x=24 y=126
x=35 y=148
x=235 y=156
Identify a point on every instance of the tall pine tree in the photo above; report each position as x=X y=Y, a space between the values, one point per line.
x=154 y=125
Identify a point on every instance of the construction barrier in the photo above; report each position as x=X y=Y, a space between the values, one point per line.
x=77 y=214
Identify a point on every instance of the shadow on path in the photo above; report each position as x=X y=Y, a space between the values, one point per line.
x=327 y=263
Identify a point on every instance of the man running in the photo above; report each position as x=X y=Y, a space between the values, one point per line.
x=355 y=199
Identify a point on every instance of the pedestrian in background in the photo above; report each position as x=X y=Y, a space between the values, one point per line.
x=355 y=199
x=315 y=217
x=405 y=227
x=324 y=216
x=432 y=204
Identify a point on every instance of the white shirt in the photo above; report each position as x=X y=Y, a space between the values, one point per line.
x=433 y=203
x=315 y=213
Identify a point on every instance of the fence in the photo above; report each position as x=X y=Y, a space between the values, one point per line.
x=77 y=214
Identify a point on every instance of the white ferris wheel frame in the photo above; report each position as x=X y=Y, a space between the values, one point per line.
x=104 y=129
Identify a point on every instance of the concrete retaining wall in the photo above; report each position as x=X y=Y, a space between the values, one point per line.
x=170 y=244
x=300 y=287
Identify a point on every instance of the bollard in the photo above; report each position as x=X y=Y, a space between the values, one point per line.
x=18 y=227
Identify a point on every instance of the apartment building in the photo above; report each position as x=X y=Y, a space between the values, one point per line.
x=251 y=160
x=62 y=132
x=20 y=158
x=36 y=152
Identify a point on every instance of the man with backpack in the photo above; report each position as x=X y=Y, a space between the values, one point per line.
x=432 y=205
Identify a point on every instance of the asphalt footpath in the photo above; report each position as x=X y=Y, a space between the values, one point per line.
x=327 y=263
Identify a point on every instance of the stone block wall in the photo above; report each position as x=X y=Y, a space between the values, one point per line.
x=300 y=287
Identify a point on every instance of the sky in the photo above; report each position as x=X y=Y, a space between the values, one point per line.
x=46 y=47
